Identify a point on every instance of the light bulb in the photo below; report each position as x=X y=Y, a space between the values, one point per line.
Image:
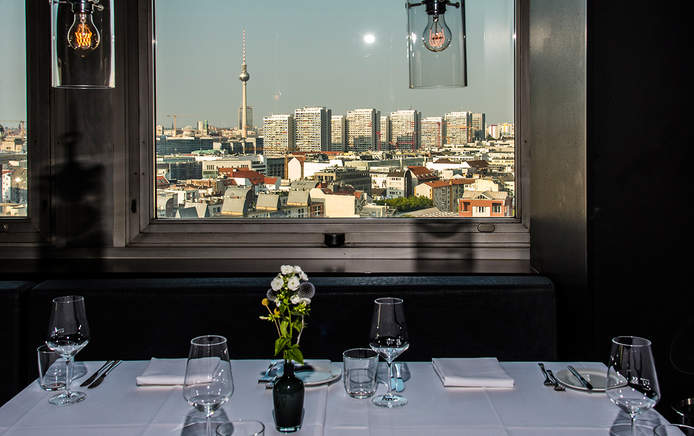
x=437 y=35
x=83 y=35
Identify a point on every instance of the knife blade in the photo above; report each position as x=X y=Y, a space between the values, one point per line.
x=586 y=384
x=96 y=374
x=101 y=378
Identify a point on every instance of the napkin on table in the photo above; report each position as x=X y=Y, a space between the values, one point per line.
x=484 y=372
x=163 y=372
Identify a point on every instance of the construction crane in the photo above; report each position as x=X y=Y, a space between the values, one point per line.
x=175 y=116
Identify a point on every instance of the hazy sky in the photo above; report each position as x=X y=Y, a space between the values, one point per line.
x=12 y=62
x=299 y=53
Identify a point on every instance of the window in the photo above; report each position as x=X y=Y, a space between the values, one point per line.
x=14 y=176
x=257 y=101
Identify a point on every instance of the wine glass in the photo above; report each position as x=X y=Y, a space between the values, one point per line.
x=208 y=382
x=68 y=333
x=632 y=383
x=389 y=338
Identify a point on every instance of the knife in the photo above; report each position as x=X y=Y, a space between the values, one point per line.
x=96 y=374
x=586 y=384
x=98 y=381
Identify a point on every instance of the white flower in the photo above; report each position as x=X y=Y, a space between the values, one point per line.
x=293 y=283
x=297 y=270
x=277 y=283
x=286 y=269
x=298 y=300
x=303 y=276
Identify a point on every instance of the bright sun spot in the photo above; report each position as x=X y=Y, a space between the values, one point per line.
x=369 y=38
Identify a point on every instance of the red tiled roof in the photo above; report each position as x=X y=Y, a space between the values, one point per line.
x=271 y=180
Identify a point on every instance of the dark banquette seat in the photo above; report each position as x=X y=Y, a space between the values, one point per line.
x=510 y=317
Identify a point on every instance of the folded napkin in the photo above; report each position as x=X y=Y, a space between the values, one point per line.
x=482 y=372
x=163 y=372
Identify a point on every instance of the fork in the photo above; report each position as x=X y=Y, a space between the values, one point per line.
x=557 y=386
x=547 y=381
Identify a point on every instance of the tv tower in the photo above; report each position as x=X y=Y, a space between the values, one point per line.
x=244 y=77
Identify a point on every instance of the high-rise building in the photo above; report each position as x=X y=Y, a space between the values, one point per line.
x=433 y=132
x=338 y=132
x=384 y=133
x=362 y=129
x=404 y=126
x=278 y=133
x=244 y=77
x=312 y=128
x=458 y=125
x=478 y=126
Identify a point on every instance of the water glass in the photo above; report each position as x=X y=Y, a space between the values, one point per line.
x=359 y=375
x=208 y=382
x=51 y=369
x=673 y=430
x=241 y=427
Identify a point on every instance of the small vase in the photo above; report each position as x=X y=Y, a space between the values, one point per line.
x=288 y=400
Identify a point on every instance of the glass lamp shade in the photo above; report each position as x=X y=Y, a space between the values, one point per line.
x=83 y=44
x=436 y=43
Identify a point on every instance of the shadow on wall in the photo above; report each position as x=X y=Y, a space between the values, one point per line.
x=78 y=201
x=440 y=240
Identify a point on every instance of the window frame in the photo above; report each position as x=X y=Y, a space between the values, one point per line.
x=34 y=228
x=484 y=245
x=377 y=239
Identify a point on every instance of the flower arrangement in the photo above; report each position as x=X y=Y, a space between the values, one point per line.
x=291 y=294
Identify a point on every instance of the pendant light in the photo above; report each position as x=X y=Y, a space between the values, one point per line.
x=436 y=43
x=83 y=44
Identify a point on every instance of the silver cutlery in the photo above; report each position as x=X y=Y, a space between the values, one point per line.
x=96 y=374
x=557 y=386
x=586 y=384
x=103 y=375
x=547 y=381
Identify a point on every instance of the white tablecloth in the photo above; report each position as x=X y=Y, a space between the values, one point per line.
x=119 y=407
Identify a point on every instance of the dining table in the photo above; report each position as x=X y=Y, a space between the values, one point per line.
x=119 y=407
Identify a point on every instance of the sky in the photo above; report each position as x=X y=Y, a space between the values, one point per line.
x=299 y=53
x=12 y=62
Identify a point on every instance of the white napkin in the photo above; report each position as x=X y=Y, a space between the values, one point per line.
x=484 y=372
x=163 y=372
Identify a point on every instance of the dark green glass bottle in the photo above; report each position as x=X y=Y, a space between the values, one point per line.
x=288 y=399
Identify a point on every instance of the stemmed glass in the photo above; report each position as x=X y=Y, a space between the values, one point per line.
x=389 y=338
x=68 y=333
x=208 y=382
x=632 y=383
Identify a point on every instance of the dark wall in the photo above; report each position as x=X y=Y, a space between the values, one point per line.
x=638 y=187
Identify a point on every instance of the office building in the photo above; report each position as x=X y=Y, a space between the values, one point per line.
x=312 y=129
x=458 y=125
x=478 y=126
x=338 y=132
x=405 y=126
x=384 y=133
x=433 y=133
x=278 y=132
x=362 y=129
